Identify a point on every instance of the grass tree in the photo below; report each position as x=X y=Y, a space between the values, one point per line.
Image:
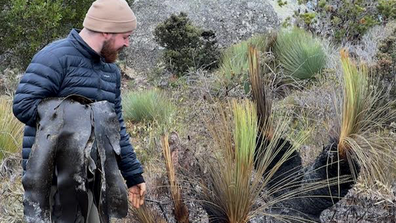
x=229 y=196
x=300 y=55
x=236 y=176
x=233 y=185
x=253 y=155
x=11 y=130
x=362 y=115
x=259 y=92
x=234 y=182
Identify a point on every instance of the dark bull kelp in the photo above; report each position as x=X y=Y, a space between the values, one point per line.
x=75 y=139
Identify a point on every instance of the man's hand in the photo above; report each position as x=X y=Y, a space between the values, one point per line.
x=136 y=194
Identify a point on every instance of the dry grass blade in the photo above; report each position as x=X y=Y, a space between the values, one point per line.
x=11 y=130
x=356 y=100
x=11 y=195
x=181 y=211
x=145 y=215
x=259 y=92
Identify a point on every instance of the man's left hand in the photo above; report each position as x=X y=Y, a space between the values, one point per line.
x=136 y=194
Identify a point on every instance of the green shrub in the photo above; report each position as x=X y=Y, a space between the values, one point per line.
x=345 y=20
x=300 y=55
x=150 y=105
x=28 y=25
x=186 y=46
x=385 y=68
x=11 y=130
x=387 y=8
x=282 y=3
x=308 y=17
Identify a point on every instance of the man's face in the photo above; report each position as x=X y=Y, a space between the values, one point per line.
x=114 y=45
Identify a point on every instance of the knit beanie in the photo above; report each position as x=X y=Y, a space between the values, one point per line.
x=110 y=16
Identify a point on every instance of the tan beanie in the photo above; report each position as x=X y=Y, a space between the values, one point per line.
x=110 y=16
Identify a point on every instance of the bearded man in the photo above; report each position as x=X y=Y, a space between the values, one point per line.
x=82 y=64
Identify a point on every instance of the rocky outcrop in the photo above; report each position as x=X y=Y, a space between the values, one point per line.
x=231 y=20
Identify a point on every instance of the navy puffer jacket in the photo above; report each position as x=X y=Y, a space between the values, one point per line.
x=65 y=67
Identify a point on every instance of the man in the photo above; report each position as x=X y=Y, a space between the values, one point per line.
x=83 y=64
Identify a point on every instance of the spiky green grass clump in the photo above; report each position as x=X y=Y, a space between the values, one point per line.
x=234 y=61
x=362 y=116
x=300 y=55
x=231 y=198
x=11 y=130
x=149 y=105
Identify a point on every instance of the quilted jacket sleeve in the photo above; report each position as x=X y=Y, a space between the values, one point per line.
x=42 y=79
x=129 y=165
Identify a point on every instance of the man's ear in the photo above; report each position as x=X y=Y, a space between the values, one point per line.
x=107 y=36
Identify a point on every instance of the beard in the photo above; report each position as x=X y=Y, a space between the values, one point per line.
x=108 y=52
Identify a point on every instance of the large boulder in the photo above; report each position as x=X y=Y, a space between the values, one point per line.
x=231 y=20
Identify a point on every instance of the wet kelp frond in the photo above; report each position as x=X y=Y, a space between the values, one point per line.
x=10 y=129
x=362 y=116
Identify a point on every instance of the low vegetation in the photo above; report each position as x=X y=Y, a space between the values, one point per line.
x=232 y=147
x=28 y=25
x=187 y=47
x=234 y=65
x=300 y=55
x=11 y=130
x=149 y=106
x=345 y=21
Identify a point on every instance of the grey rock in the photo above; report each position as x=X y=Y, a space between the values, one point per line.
x=232 y=21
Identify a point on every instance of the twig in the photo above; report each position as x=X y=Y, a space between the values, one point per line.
x=160 y=206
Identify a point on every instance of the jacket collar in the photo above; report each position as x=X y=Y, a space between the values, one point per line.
x=82 y=46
